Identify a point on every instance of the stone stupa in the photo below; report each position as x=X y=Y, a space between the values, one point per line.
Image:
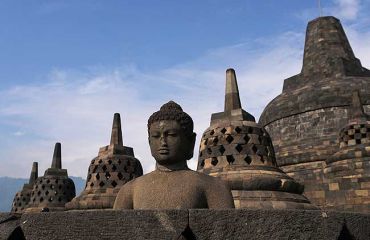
x=114 y=166
x=53 y=190
x=23 y=197
x=348 y=170
x=238 y=150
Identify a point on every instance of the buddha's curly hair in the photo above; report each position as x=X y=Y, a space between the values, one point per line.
x=173 y=111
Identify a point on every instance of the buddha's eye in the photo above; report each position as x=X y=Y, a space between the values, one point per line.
x=155 y=135
x=172 y=134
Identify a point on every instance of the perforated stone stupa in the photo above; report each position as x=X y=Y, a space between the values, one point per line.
x=114 y=166
x=348 y=170
x=53 y=190
x=23 y=197
x=238 y=150
x=304 y=120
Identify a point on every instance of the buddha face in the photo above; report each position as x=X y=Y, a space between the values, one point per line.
x=169 y=144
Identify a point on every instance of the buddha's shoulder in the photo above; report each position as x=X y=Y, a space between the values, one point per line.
x=200 y=177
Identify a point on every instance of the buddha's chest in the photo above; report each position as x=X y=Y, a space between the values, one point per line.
x=169 y=193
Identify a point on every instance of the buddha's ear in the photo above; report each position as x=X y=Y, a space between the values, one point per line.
x=192 y=139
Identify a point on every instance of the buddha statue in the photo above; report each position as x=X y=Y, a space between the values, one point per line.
x=172 y=185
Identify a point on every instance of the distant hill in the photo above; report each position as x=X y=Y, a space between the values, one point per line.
x=9 y=186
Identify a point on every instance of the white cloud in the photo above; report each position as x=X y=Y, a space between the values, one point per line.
x=346 y=9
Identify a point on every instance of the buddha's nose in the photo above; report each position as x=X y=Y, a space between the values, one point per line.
x=163 y=141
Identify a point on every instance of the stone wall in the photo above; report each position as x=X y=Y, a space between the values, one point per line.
x=190 y=224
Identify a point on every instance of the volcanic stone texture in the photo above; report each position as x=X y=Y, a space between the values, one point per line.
x=238 y=150
x=189 y=224
x=305 y=119
x=114 y=166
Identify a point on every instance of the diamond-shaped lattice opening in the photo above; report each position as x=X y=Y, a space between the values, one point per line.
x=41 y=199
x=92 y=184
x=88 y=177
x=230 y=159
x=114 y=168
x=215 y=140
x=229 y=138
x=200 y=154
x=43 y=186
x=209 y=150
x=222 y=149
x=249 y=129
x=238 y=129
x=211 y=132
x=97 y=176
x=101 y=184
x=47 y=192
x=100 y=161
x=109 y=161
x=214 y=161
x=114 y=184
x=202 y=163
x=39 y=193
x=254 y=148
x=119 y=161
x=246 y=138
x=50 y=199
x=92 y=162
x=120 y=176
x=48 y=181
x=107 y=175
x=95 y=168
x=239 y=148
x=59 y=199
x=223 y=130
x=104 y=168
x=60 y=186
x=262 y=159
x=37 y=186
x=248 y=159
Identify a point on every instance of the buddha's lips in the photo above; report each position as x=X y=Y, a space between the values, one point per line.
x=163 y=151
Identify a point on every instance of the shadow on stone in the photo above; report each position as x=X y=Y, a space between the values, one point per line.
x=187 y=234
x=345 y=234
x=17 y=234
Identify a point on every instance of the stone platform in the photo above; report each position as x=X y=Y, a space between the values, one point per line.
x=187 y=224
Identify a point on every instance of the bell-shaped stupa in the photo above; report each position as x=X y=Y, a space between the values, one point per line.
x=238 y=150
x=114 y=166
x=23 y=197
x=304 y=120
x=348 y=170
x=53 y=190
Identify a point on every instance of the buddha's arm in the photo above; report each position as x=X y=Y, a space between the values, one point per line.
x=124 y=198
x=219 y=195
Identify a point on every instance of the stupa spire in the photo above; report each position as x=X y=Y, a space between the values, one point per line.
x=232 y=98
x=116 y=136
x=57 y=156
x=356 y=108
x=34 y=173
x=327 y=50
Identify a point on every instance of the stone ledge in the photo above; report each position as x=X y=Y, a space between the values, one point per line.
x=190 y=224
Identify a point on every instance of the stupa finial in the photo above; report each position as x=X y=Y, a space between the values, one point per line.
x=57 y=156
x=116 y=137
x=356 y=108
x=232 y=99
x=34 y=173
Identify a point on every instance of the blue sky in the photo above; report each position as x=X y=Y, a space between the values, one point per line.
x=67 y=66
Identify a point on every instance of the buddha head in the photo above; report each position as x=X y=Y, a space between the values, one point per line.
x=171 y=136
